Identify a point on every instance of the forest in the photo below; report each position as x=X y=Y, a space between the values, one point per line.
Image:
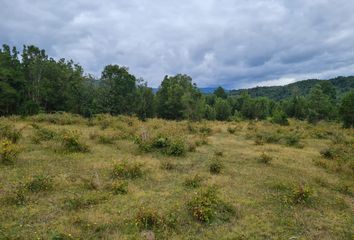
x=32 y=83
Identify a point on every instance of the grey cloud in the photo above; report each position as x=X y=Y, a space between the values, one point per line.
x=231 y=43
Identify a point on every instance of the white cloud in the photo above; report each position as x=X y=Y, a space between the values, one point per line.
x=231 y=43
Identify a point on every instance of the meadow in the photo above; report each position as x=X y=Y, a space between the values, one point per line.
x=66 y=177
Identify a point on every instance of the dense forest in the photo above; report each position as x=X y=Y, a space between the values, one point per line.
x=32 y=82
x=300 y=88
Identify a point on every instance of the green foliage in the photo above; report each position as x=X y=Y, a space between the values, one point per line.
x=320 y=105
x=222 y=109
x=119 y=188
x=346 y=110
x=193 y=182
x=10 y=132
x=301 y=194
x=215 y=166
x=148 y=219
x=206 y=206
x=72 y=143
x=42 y=134
x=117 y=90
x=40 y=183
x=8 y=152
x=279 y=117
x=81 y=202
x=167 y=145
x=127 y=170
x=220 y=93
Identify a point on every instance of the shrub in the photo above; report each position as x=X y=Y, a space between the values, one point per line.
x=218 y=153
x=40 y=183
x=8 y=152
x=231 y=130
x=264 y=158
x=328 y=153
x=148 y=219
x=215 y=166
x=293 y=140
x=301 y=194
x=167 y=165
x=169 y=146
x=193 y=182
x=176 y=148
x=10 y=133
x=205 y=206
x=127 y=170
x=280 y=118
x=72 y=143
x=205 y=130
x=18 y=197
x=42 y=134
x=119 y=188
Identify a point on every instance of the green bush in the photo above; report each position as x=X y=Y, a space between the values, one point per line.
x=40 y=183
x=176 y=148
x=206 y=206
x=328 y=153
x=168 y=146
x=148 y=219
x=72 y=143
x=293 y=140
x=126 y=170
x=10 y=132
x=215 y=166
x=119 y=188
x=42 y=134
x=280 y=118
x=8 y=152
x=193 y=182
x=301 y=194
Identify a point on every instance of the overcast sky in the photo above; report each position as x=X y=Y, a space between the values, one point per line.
x=233 y=43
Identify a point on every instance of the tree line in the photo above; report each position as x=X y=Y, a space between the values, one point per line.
x=32 y=82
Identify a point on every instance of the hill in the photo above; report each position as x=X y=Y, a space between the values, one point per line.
x=342 y=85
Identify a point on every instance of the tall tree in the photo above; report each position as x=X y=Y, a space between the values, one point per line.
x=117 y=90
x=220 y=93
x=346 y=109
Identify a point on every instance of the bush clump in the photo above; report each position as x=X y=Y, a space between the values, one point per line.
x=40 y=183
x=193 y=182
x=205 y=206
x=8 y=152
x=72 y=143
x=126 y=170
x=265 y=158
x=42 y=134
x=163 y=144
x=301 y=194
x=119 y=188
x=215 y=166
x=148 y=219
x=10 y=133
x=328 y=153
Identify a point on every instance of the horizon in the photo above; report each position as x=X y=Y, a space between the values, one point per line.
x=216 y=43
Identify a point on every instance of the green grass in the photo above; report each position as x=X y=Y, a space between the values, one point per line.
x=92 y=179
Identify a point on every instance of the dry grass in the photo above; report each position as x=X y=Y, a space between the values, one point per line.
x=82 y=202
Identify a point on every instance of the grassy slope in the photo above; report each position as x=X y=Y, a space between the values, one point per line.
x=257 y=191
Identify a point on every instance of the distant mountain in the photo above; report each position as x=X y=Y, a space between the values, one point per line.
x=342 y=85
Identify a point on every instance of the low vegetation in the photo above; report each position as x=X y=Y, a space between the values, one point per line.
x=105 y=177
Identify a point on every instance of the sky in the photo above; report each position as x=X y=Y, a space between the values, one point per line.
x=231 y=43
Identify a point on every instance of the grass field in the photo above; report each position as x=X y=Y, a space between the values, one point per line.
x=65 y=177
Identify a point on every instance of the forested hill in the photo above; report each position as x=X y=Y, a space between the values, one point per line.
x=341 y=84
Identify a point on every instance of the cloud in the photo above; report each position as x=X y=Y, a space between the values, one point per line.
x=230 y=43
